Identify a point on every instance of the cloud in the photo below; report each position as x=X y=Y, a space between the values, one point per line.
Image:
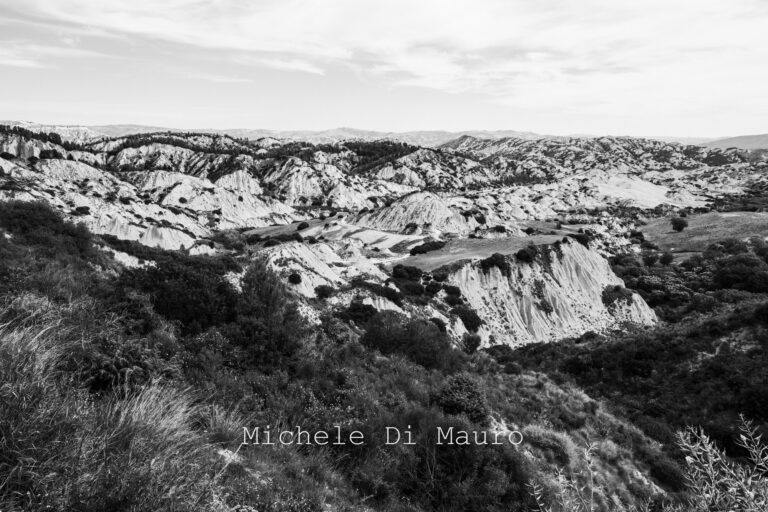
x=220 y=79
x=25 y=54
x=18 y=62
x=588 y=56
x=282 y=63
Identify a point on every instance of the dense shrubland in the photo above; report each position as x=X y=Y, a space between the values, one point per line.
x=704 y=366
x=727 y=271
x=127 y=389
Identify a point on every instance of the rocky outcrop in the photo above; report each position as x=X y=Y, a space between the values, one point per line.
x=559 y=293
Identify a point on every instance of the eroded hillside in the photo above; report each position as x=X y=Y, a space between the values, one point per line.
x=346 y=215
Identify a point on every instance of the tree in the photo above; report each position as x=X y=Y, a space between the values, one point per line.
x=650 y=259
x=679 y=224
x=667 y=258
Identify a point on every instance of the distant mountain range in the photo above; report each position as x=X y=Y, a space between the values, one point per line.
x=429 y=138
x=743 y=142
x=424 y=138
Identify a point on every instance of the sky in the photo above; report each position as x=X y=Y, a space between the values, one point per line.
x=695 y=68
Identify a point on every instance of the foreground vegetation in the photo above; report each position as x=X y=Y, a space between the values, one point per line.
x=128 y=389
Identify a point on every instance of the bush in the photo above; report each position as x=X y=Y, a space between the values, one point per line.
x=406 y=272
x=358 y=313
x=527 y=254
x=303 y=225
x=667 y=473
x=650 y=258
x=427 y=247
x=742 y=272
x=411 y=288
x=679 y=224
x=461 y=394
x=189 y=290
x=383 y=291
x=453 y=300
x=471 y=342
x=617 y=293
x=496 y=260
x=469 y=317
x=48 y=154
x=715 y=481
x=418 y=339
x=452 y=290
x=440 y=324
x=294 y=278
x=324 y=291
x=40 y=226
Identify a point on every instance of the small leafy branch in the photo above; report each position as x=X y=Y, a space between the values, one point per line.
x=717 y=483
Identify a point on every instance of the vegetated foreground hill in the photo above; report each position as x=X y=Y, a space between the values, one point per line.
x=216 y=282
x=127 y=387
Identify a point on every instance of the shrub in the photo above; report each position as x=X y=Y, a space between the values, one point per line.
x=667 y=473
x=471 y=342
x=496 y=260
x=418 y=339
x=556 y=447
x=527 y=254
x=614 y=294
x=303 y=225
x=324 y=291
x=440 y=324
x=452 y=290
x=384 y=291
x=462 y=394
x=679 y=224
x=48 y=154
x=583 y=238
x=411 y=288
x=358 y=313
x=189 y=290
x=294 y=278
x=433 y=287
x=453 y=300
x=427 y=247
x=40 y=226
x=439 y=276
x=650 y=258
x=406 y=272
x=742 y=272
x=469 y=317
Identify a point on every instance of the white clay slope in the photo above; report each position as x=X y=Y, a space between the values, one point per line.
x=573 y=284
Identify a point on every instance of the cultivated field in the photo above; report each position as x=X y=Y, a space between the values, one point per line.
x=704 y=228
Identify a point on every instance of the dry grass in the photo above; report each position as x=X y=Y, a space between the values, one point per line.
x=65 y=450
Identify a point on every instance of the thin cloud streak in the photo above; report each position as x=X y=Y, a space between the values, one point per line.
x=219 y=79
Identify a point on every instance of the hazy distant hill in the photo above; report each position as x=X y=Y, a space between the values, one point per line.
x=742 y=142
x=424 y=138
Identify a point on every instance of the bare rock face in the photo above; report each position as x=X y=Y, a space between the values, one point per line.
x=556 y=295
